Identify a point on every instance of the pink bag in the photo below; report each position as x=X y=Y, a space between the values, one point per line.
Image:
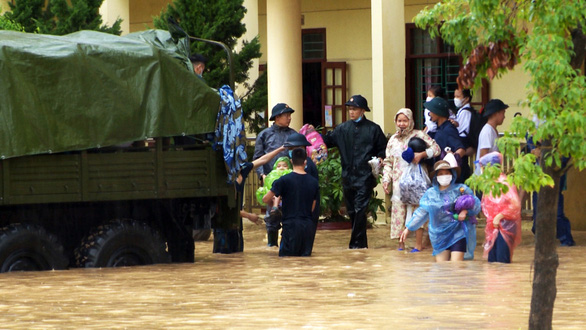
x=317 y=150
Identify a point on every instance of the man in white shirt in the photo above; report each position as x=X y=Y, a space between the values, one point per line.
x=494 y=111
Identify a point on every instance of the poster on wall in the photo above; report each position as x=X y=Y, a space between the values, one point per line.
x=328 y=116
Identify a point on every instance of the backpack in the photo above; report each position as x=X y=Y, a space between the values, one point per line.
x=317 y=151
x=476 y=124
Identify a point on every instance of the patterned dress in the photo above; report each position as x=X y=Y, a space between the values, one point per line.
x=394 y=165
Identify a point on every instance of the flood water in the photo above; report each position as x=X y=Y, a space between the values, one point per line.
x=378 y=288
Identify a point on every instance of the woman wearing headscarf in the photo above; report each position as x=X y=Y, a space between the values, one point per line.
x=394 y=165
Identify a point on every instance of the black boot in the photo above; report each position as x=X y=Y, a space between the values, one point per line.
x=272 y=238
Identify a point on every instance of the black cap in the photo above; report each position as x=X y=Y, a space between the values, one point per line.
x=198 y=58
x=439 y=106
x=280 y=109
x=358 y=101
x=296 y=140
x=493 y=106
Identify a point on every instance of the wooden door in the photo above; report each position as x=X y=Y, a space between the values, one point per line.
x=333 y=94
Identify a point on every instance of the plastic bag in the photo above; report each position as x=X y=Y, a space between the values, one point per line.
x=465 y=202
x=317 y=151
x=268 y=183
x=376 y=165
x=413 y=184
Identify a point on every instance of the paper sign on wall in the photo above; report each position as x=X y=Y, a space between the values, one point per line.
x=328 y=115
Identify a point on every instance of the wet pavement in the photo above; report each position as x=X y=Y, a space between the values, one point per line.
x=377 y=288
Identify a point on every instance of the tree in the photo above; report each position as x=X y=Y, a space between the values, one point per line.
x=26 y=13
x=60 y=17
x=547 y=37
x=255 y=101
x=6 y=24
x=220 y=20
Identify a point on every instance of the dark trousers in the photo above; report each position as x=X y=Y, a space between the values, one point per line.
x=500 y=251
x=228 y=241
x=465 y=171
x=564 y=229
x=297 y=238
x=357 y=200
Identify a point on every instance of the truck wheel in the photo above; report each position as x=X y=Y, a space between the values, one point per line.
x=122 y=243
x=26 y=247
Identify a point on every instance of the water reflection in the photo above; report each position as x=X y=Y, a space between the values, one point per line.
x=336 y=287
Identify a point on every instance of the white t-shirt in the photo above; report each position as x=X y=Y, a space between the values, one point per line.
x=463 y=118
x=486 y=140
x=431 y=126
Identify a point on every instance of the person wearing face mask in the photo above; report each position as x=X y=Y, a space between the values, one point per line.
x=358 y=140
x=394 y=165
x=431 y=126
x=462 y=98
x=451 y=233
x=268 y=140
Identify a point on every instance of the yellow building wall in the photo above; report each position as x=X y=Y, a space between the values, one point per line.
x=574 y=205
x=348 y=37
x=4 y=5
x=142 y=12
x=511 y=89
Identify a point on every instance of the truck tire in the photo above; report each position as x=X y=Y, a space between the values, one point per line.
x=122 y=243
x=25 y=247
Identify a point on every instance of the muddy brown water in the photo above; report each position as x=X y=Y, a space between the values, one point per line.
x=378 y=288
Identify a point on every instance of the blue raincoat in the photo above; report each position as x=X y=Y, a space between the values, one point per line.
x=444 y=230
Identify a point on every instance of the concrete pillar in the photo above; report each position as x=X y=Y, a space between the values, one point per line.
x=388 y=66
x=111 y=10
x=250 y=20
x=388 y=61
x=285 y=80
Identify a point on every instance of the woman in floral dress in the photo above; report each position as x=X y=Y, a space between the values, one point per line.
x=394 y=165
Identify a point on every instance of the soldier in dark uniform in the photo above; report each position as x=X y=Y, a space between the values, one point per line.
x=358 y=140
x=268 y=140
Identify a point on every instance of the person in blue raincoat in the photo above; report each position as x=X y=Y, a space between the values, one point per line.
x=451 y=234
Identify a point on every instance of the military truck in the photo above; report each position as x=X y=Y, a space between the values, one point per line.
x=104 y=155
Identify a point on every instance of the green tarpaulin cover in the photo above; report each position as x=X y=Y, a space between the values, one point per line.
x=90 y=89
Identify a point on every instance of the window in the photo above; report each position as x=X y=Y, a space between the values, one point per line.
x=313 y=44
x=431 y=62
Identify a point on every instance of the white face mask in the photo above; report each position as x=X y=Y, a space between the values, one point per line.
x=429 y=98
x=458 y=103
x=444 y=180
